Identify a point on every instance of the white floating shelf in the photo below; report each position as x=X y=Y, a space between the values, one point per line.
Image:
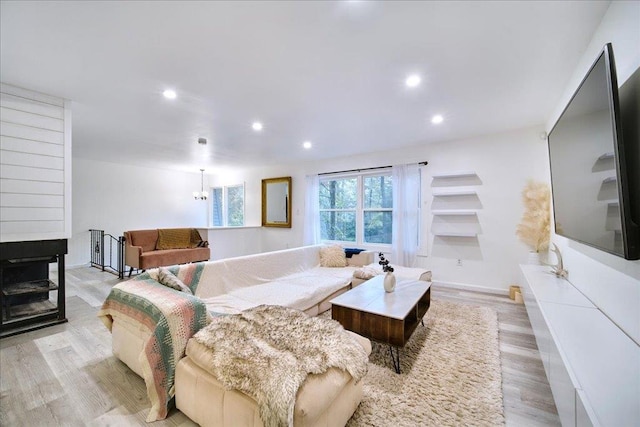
x=455 y=193
x=606 y=156
x=456 y=212
x=609 y=180
x=454 y=234
x=455 y=175
x=463 y=179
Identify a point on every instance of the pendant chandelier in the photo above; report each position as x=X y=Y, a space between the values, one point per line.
x=201 y=195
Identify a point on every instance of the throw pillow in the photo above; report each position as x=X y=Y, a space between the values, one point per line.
x=173 y=238
x=195 y=239
x=365 y=273
x=169 y=279
x=332 y=256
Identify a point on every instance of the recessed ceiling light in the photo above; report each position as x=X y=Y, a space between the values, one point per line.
x=437 y=119
x=257 y=126
x=306 y=144
x=169 y=94
x=413 y=80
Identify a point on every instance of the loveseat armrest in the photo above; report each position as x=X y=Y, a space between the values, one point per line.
x=132 y=255
x=361 y=259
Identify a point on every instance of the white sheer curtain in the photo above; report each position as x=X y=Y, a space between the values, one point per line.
x=406 y=196
x=311 y=234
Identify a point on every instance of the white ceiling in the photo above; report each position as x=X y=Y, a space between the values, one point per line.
x=329 y=72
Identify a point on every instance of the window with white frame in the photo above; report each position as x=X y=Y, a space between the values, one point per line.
x=357 y=208
x=227 y=206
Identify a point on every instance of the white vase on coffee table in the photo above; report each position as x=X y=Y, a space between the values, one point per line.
x=389 y=282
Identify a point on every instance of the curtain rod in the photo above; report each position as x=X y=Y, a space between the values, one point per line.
x=366 y=169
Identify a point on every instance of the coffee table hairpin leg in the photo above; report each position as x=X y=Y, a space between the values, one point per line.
x=395 y=358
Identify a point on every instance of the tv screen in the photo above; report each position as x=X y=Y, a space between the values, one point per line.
x=591 y=190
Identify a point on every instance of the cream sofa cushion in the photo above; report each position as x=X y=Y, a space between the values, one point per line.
x=321 y=398
x=333 y=256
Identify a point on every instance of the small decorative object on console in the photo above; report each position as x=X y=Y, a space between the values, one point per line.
x=558 y=268
x=389 y=278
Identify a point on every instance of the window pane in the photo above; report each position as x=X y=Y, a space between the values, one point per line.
x=338 y=226
x=339 y=193
x=235 y=206
x=377 y=226
x=378 y=192
x=216 y=200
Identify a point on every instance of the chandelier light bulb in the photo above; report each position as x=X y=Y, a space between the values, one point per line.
x=201 y=195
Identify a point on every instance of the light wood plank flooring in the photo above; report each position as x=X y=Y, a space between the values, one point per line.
x=66 y=374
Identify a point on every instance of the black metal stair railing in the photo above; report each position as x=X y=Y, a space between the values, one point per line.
x=115 y=249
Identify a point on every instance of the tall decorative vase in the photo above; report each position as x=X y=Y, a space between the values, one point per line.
x=534 y=258
x=389 y=282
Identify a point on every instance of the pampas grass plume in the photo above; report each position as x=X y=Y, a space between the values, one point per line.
x=535 y=226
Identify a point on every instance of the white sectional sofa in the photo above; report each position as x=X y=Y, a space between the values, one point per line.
x=292 y=278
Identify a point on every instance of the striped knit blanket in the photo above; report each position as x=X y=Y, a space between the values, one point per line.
x=171 y=317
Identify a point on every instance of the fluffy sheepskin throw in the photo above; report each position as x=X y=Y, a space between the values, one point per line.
x=267 y=351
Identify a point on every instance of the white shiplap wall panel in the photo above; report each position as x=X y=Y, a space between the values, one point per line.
x=32 y=230
x=31 y=160
x=18 y=145
x=20 y=186
x=31 y=173
x=13 y=200
x=35 y=107
x=31 y=214
x=31 y=133
x=35 y=165
x=6 y=89
x=9 y=115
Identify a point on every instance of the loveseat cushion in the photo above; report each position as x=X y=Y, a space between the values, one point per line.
x=160 y=258
x=145 y=238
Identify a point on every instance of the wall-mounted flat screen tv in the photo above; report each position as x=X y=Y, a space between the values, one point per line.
x=593 y=194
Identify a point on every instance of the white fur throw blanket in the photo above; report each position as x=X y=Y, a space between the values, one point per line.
x=267 y=351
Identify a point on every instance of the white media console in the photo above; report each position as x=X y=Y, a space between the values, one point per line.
x=593 y=367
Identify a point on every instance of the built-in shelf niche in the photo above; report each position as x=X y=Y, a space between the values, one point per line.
x=455 y=209
x=459 y=200
x=459 y=223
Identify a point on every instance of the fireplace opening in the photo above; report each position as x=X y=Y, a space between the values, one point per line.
x=29 y=298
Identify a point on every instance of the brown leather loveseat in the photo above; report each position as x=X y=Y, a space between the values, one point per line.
x=165 y=246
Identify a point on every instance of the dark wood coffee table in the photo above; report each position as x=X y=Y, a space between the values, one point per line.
x=385 y=317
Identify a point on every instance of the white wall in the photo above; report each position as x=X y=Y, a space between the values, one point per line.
x=504 y=163
x=115 y=198
x=610 y=282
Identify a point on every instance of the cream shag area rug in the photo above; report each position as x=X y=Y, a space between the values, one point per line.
x=450 y=373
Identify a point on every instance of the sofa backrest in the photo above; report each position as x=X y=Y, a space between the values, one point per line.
x=226 y=275
x=145 y=238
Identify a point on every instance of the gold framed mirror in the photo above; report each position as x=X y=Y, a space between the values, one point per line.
x=276 y=202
